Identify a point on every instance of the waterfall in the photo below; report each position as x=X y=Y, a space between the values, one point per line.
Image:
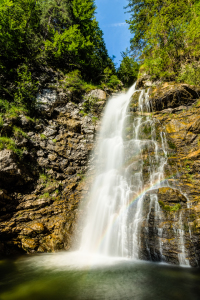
x=122 y=197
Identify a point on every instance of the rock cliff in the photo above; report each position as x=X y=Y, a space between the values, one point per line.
x=176 y=113
x=40 y=192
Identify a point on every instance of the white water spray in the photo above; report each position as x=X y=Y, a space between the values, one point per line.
x=115 y=212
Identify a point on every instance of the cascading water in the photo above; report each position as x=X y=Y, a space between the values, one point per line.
x=117 y=207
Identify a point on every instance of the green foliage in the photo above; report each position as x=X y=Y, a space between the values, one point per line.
x=43 y=136
x=171 y=144
x=107 y=74
x=166 y=38
x=176 y=207
x=190 y=73
x=43 y=177
x=26 y=88
x=1 y=121
x=188 y=168
x=56 y=35
x=11 y=110
x=147 y=129
x=89 y=104
x=73 y=82
x=83 y=113
x=45 y=195
x=19 y=132
x=8 y=143
x=128 y=70
x=114 y=82
x=94 y=119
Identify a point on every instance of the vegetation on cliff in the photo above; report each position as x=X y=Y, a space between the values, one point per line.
x=53 y=44
x=41 y=39
x=166 y=38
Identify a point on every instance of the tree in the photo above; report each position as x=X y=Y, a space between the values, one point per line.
x=128 y=70
x=161 y=35
x=58 y=34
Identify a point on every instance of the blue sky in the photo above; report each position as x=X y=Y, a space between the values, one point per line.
x=111 y=17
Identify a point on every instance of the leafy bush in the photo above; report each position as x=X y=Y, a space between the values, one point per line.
x=114 y=82
x=190 y=74
x=73 y=82
x=26 y=88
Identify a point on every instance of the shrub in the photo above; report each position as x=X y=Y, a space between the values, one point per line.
x=190 y=74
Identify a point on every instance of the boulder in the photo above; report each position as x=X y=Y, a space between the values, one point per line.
x=99 y=94
x=146 y=81
x=47 y=100
x=9 y=169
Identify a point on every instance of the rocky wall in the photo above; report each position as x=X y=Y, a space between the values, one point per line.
x=174 y=227
x=40 y=193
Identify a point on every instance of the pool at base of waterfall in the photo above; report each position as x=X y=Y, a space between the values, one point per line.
x=64 y=276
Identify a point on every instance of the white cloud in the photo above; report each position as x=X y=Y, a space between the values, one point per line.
x=116 y=25
x=119 y=24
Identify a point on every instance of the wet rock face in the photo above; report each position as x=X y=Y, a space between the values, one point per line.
x=173 y=95
x=172 y=226
x=163 y=230
x=39 y=194
x=181 y=127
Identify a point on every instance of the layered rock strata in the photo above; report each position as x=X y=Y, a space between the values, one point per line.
x=174 y=227
x=40 y=193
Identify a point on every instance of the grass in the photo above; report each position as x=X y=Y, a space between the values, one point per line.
x=188 y=168
x=8 y=113
x=94 y=119
x=1 y=121
x=43 y=177
x=19 y=132
x=176 y=207
x=45 y=195
x=83 y=113
x=8 y=143
x=11 y=110
x=43 y=136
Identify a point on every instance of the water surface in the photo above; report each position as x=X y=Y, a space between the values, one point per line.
x=69 y=276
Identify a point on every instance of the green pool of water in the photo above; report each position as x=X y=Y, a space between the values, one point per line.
x=59 y=277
